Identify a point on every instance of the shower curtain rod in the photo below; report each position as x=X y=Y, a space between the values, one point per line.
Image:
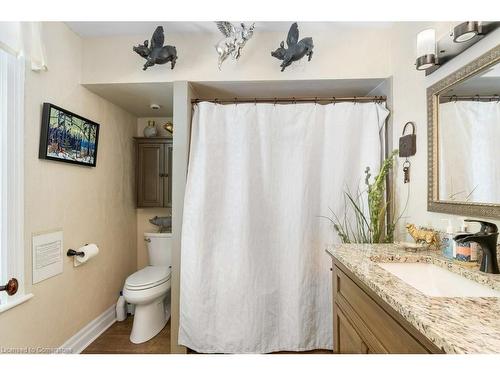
x=452 y=98
x=301 y=99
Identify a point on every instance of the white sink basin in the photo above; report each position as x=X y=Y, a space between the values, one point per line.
x=435 y=281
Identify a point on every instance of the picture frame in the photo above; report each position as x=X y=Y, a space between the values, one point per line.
x=67 y=137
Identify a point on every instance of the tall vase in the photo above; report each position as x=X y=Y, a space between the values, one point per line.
x=150 y=130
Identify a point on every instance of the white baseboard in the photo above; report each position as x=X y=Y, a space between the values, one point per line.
x=85 y=336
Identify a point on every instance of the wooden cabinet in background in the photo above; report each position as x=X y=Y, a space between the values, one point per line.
x=363 y=323
x=154 y=172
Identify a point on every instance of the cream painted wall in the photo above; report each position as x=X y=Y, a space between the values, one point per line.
x=349 y=52
x=345 y=52
x=183 y=93
x=409 y=104
x=88 y=204
x=144 y=214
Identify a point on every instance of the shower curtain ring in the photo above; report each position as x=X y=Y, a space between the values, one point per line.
x=355 y=100
x=294 y=101
x=334 y=100
x=235 y=100
x=316 y=100
x=255 y=101
x=215 y=101
x=275 y=101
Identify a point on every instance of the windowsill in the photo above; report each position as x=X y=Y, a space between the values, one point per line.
x=10 y=304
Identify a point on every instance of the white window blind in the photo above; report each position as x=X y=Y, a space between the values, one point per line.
x=11 y=175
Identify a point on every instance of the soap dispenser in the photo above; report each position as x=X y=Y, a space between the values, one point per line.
x=463 y=248
x=448 y=244
x=487 y=238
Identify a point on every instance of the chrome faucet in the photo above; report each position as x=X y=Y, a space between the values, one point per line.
x=487 y=238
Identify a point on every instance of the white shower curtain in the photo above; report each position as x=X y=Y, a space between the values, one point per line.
x=469 y=161
x=254 y=274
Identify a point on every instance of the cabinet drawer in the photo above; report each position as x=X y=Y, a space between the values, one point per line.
x=377 y=321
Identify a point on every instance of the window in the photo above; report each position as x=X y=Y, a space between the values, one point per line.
x=11 y=176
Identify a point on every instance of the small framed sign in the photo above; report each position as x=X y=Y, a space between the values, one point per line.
x=47 y=255
x=68 y=137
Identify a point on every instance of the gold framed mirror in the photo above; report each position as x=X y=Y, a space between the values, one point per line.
x=463 y=130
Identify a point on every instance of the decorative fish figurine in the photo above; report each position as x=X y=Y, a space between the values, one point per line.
x=234 y=40
x=296 y=49
x=157 y=53
x=164 y=222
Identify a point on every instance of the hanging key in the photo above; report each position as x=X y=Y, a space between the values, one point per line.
x=406 y=171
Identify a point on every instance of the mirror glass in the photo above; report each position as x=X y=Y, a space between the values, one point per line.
x=468 y=136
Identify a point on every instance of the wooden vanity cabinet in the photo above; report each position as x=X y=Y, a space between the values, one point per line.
x=363 y=323
x=154 y=172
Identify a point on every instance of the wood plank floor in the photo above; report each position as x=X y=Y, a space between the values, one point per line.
x=115 y=340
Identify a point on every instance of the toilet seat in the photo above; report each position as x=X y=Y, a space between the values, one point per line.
x=148 y=278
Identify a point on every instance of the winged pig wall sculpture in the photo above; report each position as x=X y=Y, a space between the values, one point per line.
x=234 y=40
x=296 y=49
x=157 y=53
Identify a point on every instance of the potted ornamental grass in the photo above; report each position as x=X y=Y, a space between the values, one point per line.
x=365 y=215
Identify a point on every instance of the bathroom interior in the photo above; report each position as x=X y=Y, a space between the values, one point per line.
x=249 y=187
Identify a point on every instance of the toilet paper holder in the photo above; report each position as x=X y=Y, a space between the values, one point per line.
x=83 y=254
x=72 y=253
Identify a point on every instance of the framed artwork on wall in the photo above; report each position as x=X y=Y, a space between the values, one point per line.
x=68 y=137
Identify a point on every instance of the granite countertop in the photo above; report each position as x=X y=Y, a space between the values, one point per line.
x=454 y=324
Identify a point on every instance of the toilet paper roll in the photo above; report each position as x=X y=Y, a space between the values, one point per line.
x=90 y=250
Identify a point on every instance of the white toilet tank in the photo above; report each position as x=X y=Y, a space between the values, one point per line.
x=159 y=248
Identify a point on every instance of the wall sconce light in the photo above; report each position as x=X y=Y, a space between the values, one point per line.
x=433 y=54
x=426 y=49
x=466 y=31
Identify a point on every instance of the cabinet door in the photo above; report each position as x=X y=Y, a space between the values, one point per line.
x=150 y=164
x=167 y=180
x=347 y=340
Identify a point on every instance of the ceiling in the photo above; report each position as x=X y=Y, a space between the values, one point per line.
x=136 y=98
x=100 y=29
x=287 y=89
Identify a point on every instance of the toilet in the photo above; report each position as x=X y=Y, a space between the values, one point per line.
x=148 y=288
